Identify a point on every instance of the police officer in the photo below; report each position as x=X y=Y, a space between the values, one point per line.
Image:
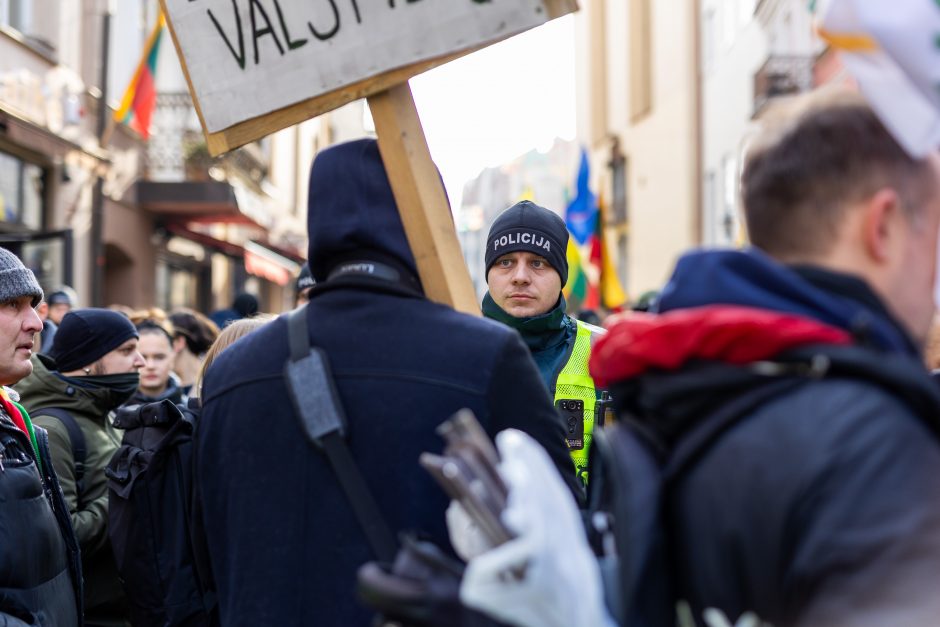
x=526 y=268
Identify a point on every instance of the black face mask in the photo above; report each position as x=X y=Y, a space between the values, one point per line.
x=121 y=387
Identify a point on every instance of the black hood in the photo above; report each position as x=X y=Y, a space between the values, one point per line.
x=351 y=210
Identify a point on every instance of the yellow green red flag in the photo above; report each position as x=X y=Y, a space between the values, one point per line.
x=140 y=98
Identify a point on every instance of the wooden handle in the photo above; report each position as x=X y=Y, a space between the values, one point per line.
x=422 y=201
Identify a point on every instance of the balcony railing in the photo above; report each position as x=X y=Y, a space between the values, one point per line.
x=177 y=151
x=174 y=134
x=781 y=76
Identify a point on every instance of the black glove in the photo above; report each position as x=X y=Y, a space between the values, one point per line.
x=422 y=589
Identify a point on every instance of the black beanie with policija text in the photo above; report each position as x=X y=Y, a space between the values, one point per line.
x=528 y=227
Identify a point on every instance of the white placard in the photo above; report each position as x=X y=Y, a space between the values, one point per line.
x=247 y=58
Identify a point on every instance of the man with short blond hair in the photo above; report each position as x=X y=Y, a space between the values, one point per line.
x=783 y=390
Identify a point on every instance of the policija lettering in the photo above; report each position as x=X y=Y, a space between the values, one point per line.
x=262 y=25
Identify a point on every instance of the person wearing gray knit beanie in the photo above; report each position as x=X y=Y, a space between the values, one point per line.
x=17 y=280
x=41 y=571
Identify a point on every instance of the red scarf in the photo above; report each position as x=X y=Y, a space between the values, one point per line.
x=12 y=411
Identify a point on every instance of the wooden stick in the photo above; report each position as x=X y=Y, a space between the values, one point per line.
x=422 y=201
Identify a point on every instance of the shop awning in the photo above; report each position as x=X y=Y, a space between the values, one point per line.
x=194 y=201
x=268 y=264
x=34 y=137
x=212 y=243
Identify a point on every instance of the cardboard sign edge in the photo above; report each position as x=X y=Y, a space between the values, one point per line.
x=263 y=125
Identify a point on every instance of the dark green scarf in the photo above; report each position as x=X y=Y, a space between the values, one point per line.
x=538 y=332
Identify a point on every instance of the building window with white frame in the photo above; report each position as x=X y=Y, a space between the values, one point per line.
x=728 y=220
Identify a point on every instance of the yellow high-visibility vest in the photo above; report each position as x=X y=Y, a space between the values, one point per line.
x=574 y=382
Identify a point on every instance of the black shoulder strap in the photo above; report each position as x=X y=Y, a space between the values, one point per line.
x=76 y=438
x=316 y=402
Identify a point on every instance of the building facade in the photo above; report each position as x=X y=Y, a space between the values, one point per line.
x=134 y=221
x=639 y=115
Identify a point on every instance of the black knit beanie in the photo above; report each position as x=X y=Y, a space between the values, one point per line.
x=16 y=280
x=87 y=335
x=528 y=227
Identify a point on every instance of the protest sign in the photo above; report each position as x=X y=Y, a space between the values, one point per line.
x=257 y=66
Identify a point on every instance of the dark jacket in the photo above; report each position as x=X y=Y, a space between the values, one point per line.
x=104 y=597
x=820 y=507
x=39 y=569
x=173 y=392
x=283 y=542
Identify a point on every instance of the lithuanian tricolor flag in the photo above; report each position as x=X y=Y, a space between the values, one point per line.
x=141 y=95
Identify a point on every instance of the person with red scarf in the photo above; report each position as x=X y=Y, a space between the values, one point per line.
x=40 y=570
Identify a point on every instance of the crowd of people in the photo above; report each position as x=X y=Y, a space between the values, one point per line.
x=755 y=444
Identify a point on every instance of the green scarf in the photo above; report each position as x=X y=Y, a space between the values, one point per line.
x=538 y=332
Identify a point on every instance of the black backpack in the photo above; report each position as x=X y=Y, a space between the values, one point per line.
x=632 y=472
x=149 y=516
x=634 y=469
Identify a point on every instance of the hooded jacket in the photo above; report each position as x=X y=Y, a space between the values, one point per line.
x=284 y=544
x=822 y=505
x=91 y=408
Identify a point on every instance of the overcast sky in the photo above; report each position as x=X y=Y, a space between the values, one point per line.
x=498 y=103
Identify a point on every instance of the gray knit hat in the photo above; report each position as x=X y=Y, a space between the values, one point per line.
x=17 y=280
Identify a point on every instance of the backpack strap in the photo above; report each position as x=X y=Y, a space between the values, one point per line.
x=77 y=440
x=316 y=402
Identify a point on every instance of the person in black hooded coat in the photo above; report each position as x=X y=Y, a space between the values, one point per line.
x=283 y=543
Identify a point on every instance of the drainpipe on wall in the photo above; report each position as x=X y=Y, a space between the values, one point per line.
x=97 y=196
x=697 y=123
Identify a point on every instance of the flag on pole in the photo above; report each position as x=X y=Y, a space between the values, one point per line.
x=581 y=220
x=140 y=98
x=892 y=49
x=592 y=279
x=581 y=213
x=612 y=296
x=576 y=289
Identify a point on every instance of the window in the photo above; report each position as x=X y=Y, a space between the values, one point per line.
x=728 y=217
x=641 y=97
x=709 y=30
x=22 y=188
x=729 y=22
x=745 y=11
x=618 y=167
x=16 y=14
x=708 y=209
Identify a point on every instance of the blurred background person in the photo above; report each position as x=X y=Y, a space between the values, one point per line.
x=61 y=301
x=157 y=381
x=228 y=336
x=48 y=327
x=245 y=305
x=193 y=334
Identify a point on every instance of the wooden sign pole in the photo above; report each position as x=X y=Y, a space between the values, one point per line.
x=422 y=201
